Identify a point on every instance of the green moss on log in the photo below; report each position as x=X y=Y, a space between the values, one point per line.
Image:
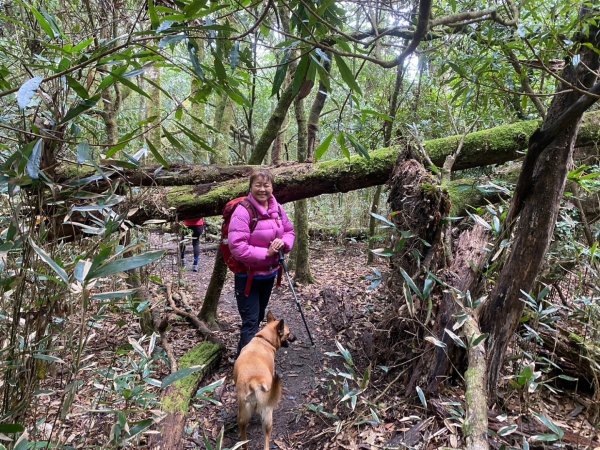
x=499 y=144
x=178 y=398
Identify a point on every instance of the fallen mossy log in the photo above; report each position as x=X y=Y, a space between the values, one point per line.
x=296 y=181
x=481 y=148
x=176 y=400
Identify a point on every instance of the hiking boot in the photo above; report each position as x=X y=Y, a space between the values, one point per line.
x=195 y=268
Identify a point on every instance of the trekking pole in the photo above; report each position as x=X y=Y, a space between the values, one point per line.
x=298 y=306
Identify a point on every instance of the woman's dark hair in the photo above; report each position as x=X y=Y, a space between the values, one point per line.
x=261 y=173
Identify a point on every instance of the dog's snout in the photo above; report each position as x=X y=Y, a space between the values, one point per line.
x=291 y=338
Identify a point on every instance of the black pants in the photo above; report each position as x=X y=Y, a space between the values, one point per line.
x=197 y=231
x=252 y=308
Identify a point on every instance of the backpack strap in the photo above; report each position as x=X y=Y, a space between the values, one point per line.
x=251 y=212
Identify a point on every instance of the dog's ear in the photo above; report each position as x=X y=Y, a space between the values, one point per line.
x=270 y=317
x=281 y=328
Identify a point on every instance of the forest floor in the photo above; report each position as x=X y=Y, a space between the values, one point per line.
x=341 y=272
x=335 y=396
x=315 y=412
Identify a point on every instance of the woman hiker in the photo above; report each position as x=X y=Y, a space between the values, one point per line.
x=258 y=250
x=197 y=226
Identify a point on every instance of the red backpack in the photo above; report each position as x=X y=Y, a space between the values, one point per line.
x=232 y=263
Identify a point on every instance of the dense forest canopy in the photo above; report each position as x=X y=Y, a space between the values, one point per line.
x=119 y=113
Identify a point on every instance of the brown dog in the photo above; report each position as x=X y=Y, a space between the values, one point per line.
x=258 y=386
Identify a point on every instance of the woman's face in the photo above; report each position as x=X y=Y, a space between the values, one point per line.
x=261 y=189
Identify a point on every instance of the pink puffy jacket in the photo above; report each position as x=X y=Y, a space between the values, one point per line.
x=251 y=248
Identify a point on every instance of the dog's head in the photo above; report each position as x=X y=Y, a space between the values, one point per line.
x=284 y=336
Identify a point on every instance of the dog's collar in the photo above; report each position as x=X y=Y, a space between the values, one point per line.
x=266 y=340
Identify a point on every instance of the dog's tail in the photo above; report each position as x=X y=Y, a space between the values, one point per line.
x=275 y=393
x=262 y=393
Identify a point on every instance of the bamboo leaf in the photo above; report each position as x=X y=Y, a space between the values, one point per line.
x=383 y=219
x=27 y=91
x=83 y=152
x=81 y=107
x=125 y=264
x=341 y=140
x=33 y=163
x=411 y=283
x=300 y=74
x=154 y=20
x=280 y=73
x=11 y=428
x=130 y=85
x=551 y=425
x=42 y=21
x=180 y=374
x=421 y=395
x=48 y=260
x=77 y=87
x=172 y=139
x=323 y=147
x=455 y=338
x=347 y=74
x=509 y=429
x=219 y=68
x=162 y=161
x=192 y=47
x=435 y=341
x=82 y=45
x=360 y=149
x=81 y=270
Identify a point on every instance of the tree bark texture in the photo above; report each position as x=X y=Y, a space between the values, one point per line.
x=301 y=253
x=539 y=198
x=154 y=109
x=476 y=420
x=208 y=311
x=374 y=210
x=419 y=205
x=222 y=122
x=463 y=275
x=273 y=125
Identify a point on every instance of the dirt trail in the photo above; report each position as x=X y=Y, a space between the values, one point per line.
x=300 y=365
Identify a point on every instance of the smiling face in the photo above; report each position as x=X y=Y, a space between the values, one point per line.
x=261 y=189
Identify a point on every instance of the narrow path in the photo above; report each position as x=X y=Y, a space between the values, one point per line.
x=300 y=365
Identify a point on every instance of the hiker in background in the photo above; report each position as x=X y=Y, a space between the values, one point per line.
x=257 y=245
x=197 y=226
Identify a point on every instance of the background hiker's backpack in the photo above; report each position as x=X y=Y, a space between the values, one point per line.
x=232 y=263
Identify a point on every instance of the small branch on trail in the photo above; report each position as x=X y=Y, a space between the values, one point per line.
x=161 y=325
x=185 y=302
x=201 y=326
x=476 y=423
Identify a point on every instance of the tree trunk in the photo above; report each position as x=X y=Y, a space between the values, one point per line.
x=154 y=109
x=372 y=220
x=208 y=312
x=273 y=125
x=222 y=122
x=198 y=111
x=536 y=202
x=301 y=253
